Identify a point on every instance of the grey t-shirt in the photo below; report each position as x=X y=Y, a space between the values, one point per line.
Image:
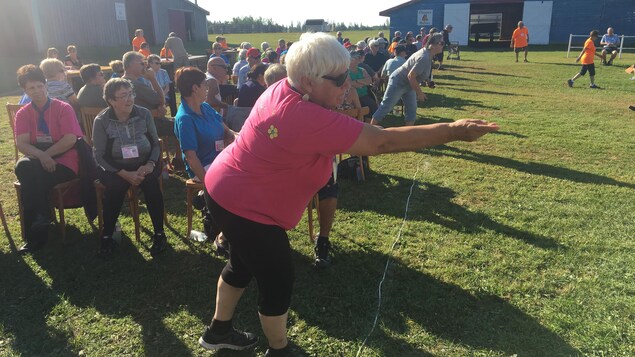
x=420 y=62
x=175 y=44
x=145 y=95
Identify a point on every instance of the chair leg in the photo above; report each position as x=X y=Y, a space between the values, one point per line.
x=62 y=222
x=4 y=221
x=18 y=192
x=189 y=211
x=134 y=212
x=100 y=211
x=361 y=168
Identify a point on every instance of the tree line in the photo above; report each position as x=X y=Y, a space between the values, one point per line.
x=249 y=24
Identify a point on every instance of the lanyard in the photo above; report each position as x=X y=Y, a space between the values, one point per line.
x=41 y=123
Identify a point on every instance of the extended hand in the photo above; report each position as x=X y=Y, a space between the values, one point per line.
x=472 y=129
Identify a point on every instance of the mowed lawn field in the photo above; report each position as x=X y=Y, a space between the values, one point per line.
x=519 y=244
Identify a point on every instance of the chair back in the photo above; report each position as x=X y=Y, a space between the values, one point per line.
x=12 y=109
x=87 y=118
x=357 y=113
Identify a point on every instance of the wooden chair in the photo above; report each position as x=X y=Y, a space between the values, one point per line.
x=359 y=114
x=165 y=145
x=57 y=194
x=133 y=202
x=87 y=118
x=12 y=109
x=192 y=187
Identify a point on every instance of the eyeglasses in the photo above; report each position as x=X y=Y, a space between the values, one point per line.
x=339 y=80
x=154 y=62
x=130 y=95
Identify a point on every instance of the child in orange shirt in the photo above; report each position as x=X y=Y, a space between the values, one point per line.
x=145 y=49
x=587 y=56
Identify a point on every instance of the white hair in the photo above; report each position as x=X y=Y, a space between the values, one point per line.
x=361 y=44
x=264 y=46
x=372 y=43
x=316 y=55
x=242 y=54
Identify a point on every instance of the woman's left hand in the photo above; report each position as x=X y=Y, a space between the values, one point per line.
x=143 y=170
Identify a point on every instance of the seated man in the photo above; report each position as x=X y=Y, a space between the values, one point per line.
x=150 y=97
x=92 y=93
x=216 y=75
x=217 y=51
x=392 y=64
x=611 y=42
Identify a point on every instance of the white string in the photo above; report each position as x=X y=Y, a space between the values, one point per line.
x=392 y=248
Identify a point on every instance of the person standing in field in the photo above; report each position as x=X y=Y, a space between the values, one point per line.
x=586 y=57
x=520 y=40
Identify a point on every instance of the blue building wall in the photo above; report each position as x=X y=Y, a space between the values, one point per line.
x=577 y=17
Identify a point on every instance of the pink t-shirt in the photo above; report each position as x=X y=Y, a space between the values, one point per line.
x=61 y=120
x=282 y=157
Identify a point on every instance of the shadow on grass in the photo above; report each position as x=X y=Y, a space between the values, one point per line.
x=534 y=168
x=126 y=286
x=482 y=91
x=431 y=203
x=414 y=304
x=491 y=74
x=451 y=77
x=26 y=304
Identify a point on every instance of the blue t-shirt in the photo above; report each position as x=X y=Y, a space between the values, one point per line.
x=198 y=133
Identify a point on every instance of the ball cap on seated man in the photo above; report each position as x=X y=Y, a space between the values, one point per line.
x=253 y=52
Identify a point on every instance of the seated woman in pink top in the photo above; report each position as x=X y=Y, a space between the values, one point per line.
x=283 y=155
x=45 y=133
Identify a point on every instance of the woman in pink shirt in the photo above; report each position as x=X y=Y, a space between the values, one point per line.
x=46 y=131
x=258 y=187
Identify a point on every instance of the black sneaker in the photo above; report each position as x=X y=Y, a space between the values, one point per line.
x=106 y=248
x=198 y=201
x=322 y=257
x=286 y=352
x=159 y=243
x=31 y=247
x=233 y=340
x=570 y=83
x=631 y=107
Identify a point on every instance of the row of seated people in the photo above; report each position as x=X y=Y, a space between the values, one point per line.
x=130 y=149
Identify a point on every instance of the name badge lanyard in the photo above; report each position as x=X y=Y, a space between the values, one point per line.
x=41 y=123
x=121 y=137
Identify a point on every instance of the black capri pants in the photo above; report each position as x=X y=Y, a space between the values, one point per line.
x=260 y=251
x=588 y=67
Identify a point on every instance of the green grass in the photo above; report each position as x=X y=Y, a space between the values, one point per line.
x=518 y=244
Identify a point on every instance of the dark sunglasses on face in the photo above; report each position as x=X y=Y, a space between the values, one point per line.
x=339 y=80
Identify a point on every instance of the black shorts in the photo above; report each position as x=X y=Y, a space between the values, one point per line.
x=438 y=57
x=330 y=190
x=519 y=49
x=609 y=48
x=258 y=251
x=588 y=67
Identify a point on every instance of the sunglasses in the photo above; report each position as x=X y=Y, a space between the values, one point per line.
x=339 y=80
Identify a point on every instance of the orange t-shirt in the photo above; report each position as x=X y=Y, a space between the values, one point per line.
x=166 y=55
x=145 y=52
x=589 y=52
x=136 y=43
x=520 y=36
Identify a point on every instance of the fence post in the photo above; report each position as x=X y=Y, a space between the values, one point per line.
x=621 y=46
x=569 y=47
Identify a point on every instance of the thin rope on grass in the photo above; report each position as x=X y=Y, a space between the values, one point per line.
x=392 y=247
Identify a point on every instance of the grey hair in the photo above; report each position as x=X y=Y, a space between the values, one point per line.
x=242 y=54
x=316 y=55
x=264 y=46
x=130 y=56
x=434 y=39
x=113 y=85
x=372 y=43
x=274 y=73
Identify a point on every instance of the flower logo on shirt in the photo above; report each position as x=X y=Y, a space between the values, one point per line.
x=273 y=132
